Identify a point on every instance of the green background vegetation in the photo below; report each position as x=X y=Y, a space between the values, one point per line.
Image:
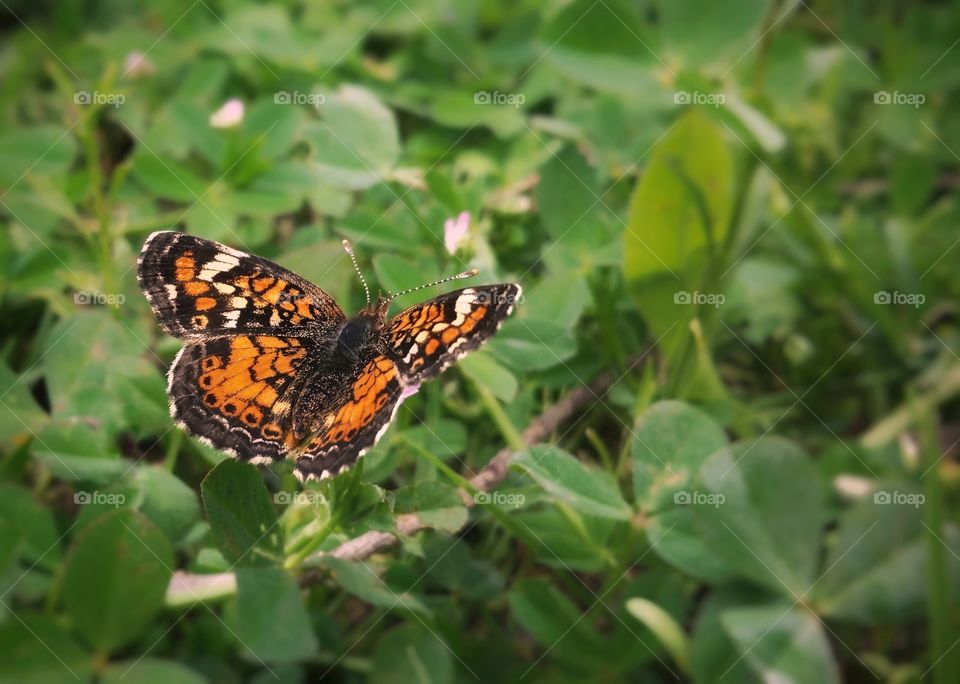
x=743 y=213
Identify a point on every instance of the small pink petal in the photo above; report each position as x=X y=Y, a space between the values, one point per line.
x=455 y=231
x=138 y=64
x=229 y=115
x=409 y=391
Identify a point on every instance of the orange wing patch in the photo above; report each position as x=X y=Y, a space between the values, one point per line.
x=377 y=386
x=246 y=383
x=432 y=336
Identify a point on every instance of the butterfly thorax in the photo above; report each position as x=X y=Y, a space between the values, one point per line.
x=362 y=332
x=357 y=333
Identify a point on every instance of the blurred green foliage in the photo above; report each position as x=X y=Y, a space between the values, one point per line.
x=745 y=213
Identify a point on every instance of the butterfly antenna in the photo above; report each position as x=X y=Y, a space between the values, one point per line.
x=460 y=276
x=349 y=250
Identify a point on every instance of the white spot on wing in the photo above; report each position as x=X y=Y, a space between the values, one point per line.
x=410 y=354
x=464 y=303
x=227 y=259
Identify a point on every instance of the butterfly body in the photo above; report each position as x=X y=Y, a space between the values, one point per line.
x=273 y=368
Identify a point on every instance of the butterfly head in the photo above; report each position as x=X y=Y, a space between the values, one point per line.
x=376 y=314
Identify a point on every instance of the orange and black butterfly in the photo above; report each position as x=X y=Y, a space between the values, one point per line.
x=273 y=368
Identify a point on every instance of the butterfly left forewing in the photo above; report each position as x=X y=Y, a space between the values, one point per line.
x=426 y=338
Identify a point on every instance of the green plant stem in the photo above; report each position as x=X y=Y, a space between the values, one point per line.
x=314 y=543
x=601 y=449
x=458 y=480
x=938 y=578
x=173 y=450
x=577 y=523
x=510 y=433
x=449 y=472
x=946 y=386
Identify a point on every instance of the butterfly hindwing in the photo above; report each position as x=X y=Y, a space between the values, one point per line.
x=199 y=288
x=345 y=431
x=237 y=393
x=426 y=338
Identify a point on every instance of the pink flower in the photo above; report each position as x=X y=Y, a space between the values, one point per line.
x=138 y=64
x=229 y=115
x=409 y=391
x=455 y=231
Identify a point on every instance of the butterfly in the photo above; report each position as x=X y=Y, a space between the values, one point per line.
x=272 y=368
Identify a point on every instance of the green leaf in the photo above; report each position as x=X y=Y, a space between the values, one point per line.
x=781 y=643
x=243 y=519
x=762 y=511
x=528 y=345
x=557 y=543
x=665 y=225
x=450 y=565
x=38 y=649
x=665 y=627
x=85 y=362
x=444 y=438
x=714 y=658
x=677 y=221
x=272 y=622
x=44 y=150
x=482 y=368
x=20 y=510
x=912 y=180
x=116 y=577
x=670 y=443
x=601 y=45
x=19 y=413
x=556 y=623
x=674 y=537
x=362 y=581
x=437 y=504
x=167 y=178
x=698 y=33
x=559 y=297
x=566 y=478
x=150 y=671
x=871 y=569
x=76 y=452
x=566 y=198
x=468 y=109
x=357 y=142
x=412 y=653
x=166 y=500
